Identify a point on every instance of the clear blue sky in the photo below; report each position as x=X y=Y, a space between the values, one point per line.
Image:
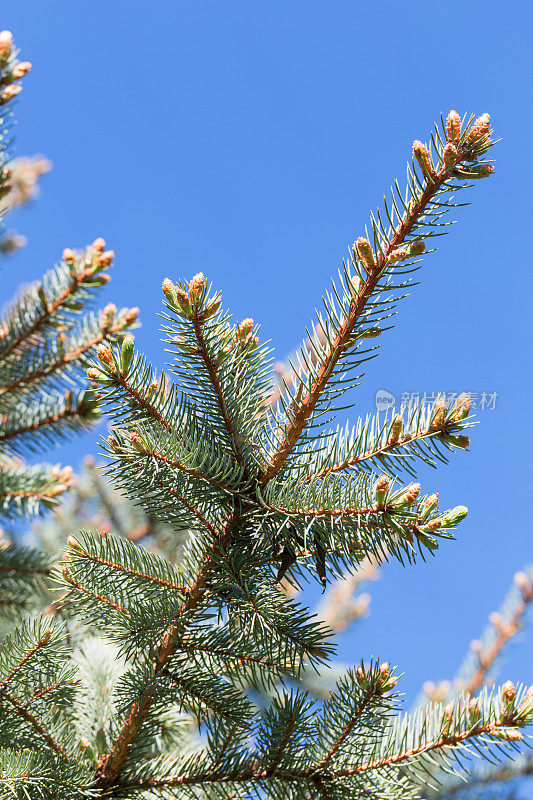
x=250 y=140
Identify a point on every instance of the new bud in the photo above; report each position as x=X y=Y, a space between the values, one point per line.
x=453 y=517
x=196 y=287
x=99 y=245
x=105 y=259
x=94 y=374
x=74 y=544
x=439 y=414
x=169 y=290
x=69 y=256
x=20 y=69
x=421 y=154
x=400 y=254
x=366 y=254
x=396 y=429
x=428 y=504
x=211 y=308
x=361 y=677
x=417 y=247
x=480 y=127
x=6 y=41
x=127 y=354
x=105 y=356
x=382 y=488
x=138 y=443
x=244 y=330
x=408 y=496
x=113 y=444
x=458 y=440
x=508 y=692
x=462 y=407
x=453 y=127
x=108 y=314
x=182 y=300
x=450 y=155
x=130 y=316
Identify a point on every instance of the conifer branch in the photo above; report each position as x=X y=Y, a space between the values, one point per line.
x=67 y=577
x=182 y=467
x=82 y=270
x=64 y=361
x=374 y=268
x=506 y=627
x=129 y=571
x=111 y=763
x=42 y=642
x=28 y=717
x=217 y=388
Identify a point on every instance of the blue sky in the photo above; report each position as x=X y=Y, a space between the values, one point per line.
x=250 y=141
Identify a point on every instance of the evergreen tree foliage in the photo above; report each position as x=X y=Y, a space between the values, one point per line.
x=99 y=694
x=46 y=335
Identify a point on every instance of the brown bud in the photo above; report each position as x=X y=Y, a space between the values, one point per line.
x=94 y=374
x=447 y=717
x=99 y=245
x=113 y=444
x=244 y=330
x=85 y=743
x=45 y=638
x=138 y=443
x=74 y=544
x=453 y=127
x=66 y=474
x=360 y=675
x=366 y=254
x=6 y=41
x=212 y=308
x=131 y=315
x=183 y=301
x=508 y=691
x=432 y=525
x=417 y=247
x=21 y=69
x=462 y=406
x=522 y=581
x=449 y=155
x=9 y=92
x=438 y=414
x=396 y=429
x=421 y=154
x=196 y=286
x=66 y=574
x=400 y=254
x=381 y=488
x=105 y=259
x=105 y=356
x=108 y=313
x=69 y=256
x=480 y=127
x=484 y=170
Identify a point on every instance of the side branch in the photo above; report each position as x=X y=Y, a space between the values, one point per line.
x=308 y=403
x=212 y=372
x=111 y=763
